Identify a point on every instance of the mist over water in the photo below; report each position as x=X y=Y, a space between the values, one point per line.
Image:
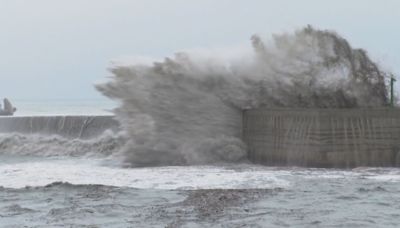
x=187 y=109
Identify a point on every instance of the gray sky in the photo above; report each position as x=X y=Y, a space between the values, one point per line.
x=58 y=48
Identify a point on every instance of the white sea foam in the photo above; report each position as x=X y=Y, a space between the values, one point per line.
x=40 y=173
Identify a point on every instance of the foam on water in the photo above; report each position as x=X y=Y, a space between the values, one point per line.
x=41 y=173
x=38 y=172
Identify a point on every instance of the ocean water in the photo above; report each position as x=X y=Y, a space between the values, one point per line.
x=90 y=192
x=48 y=184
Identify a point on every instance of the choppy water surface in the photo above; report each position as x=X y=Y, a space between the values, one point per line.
x=194 y=196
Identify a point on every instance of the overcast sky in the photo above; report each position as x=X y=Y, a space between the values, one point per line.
x=57 y=49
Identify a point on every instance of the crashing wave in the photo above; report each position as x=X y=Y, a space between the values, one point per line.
x=187 y=109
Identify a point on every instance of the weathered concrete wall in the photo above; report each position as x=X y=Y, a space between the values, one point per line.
x=67 y=126
x=323 y=137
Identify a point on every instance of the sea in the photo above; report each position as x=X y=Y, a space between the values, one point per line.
x=62 y=107
x=52 y=181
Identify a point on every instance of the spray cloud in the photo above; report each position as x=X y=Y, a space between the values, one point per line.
x=187 y=109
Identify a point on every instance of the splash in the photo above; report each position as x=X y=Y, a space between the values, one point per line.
x=187 y=109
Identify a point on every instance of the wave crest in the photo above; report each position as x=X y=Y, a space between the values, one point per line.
x=187 y=109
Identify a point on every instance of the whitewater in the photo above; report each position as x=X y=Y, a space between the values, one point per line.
x=167 y=151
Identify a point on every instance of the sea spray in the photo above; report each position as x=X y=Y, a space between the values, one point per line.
x=187 y=109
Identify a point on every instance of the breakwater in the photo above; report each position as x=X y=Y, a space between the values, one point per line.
x=67 y=126
x=341 y=138
x=323 y=137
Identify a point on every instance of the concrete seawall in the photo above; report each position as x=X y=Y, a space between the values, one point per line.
x=323 y=137
x=66 y=126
